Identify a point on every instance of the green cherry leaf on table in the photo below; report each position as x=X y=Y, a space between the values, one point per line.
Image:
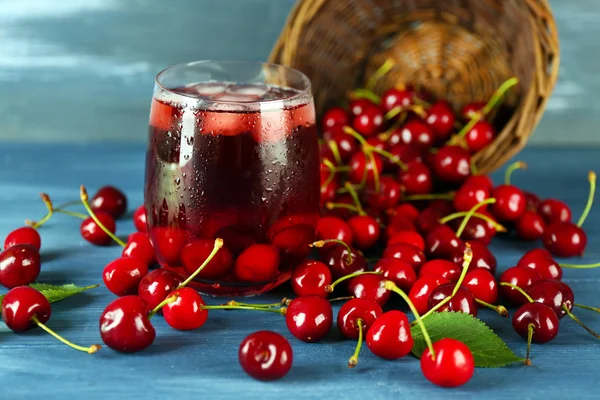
x=489 y=350
x=56 y=293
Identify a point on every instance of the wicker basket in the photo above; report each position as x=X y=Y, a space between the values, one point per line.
x=461 y=50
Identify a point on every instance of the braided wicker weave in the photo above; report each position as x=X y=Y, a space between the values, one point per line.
x=460 y=50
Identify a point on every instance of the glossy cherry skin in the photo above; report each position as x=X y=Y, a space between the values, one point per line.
x=416 y=179
x=472 y=110
x=139 y=246
x=401 y=152
x=346 y=145
x=530 y=226
x=140 y=220
x=521 y=277
x=369 y=286
x=195 y=253
x=361 y=164
x=440 y=119
x=477 y=230
x=453 y=365
x=168 y=243
x=337 y=259
x=123 y=275
x=468 y=196
x=365 y=309
x=422 y=288
x=22 y=303
x=23 y=235
x=553 y=211
x=186 y=312
x=334 y=116
x=398 y=224
x=407 y=253
x=388 y=196
x=510 y=202
x=482 y=257
x=157 y=285
x=452 y=164
x=480 y=136
x=553 y=294
x=310 y=278
x=265 y=355
x=393 y=98
x=389 y=337
x=428 y=220
x=482 y=181
x=443 y=268
x=462 y=301
x=541 y=262
x=258 y=263
x=124 y=325
x=564 y=239
x=482 y=285
x=357 y=106
x=533 y=201
x=369 y=122
x=408 y=237
x=397 y=271
x=91 y=232
x=443 y=243
x=19 y=265
x=110 y=200
x=541 y=316
x=365 y=231
x=328 y=192
x=309 y=318
x=415 y=133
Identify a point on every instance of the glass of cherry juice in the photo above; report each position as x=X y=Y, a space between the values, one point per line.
x=232 y=154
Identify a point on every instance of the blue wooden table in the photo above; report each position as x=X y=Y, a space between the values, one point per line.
x=203 y=364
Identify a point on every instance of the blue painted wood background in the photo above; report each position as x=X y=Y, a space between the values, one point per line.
x=83 y=70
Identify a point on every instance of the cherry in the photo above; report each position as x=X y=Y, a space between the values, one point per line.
x=139 y=219
x=258 y=263
x=22 y=303
x=399 y=224
x=401 y=273
x=310 y=278
x=452 y=164
x=401 y=152
x=19 y=265
x=361 y=165
x=140 y=247
x=540 y=261
x=346 y=145
x=407 y=253
x=23 y=235
x=422 y=288
x=309 y=318
x=429 y=219
x=358 y=106
x=393 y=98
x=376 y=142
x=157 y=285
x=564 y=239
x=468 y=196
x=168 y=243
x=92 y=232
x=445 y=269
x=530 y=226
x=481 y=181
x=452 y=366
x=510 y=203
x=533 y=201
x=472 y=110
x=408 y=237
x=441 y=120
x=124 y=325
x=195 y=253
x=389 y=336
x=462 y=301
x=553 y=294
x=388 y=196
x=482 y=257
x=369 y=121
x=543 y=318
x=265 y=355
x=442 y=243
x=333 y=117
x=328 y=192
x=343 y=262
x=416 y=179
x=480 y=136
x=123 y=275
x=353 y=310
x=478 y=230
x=365 y=231
x=520 y=277
x=415 y=133
x=482 y=285
x=293 y=240
x=407 y=211
x=369 y=287
x=553 y=211
x=186 y=312
x=110 y=200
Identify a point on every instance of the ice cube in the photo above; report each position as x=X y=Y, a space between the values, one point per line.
x=236 y=98
x=249 y=90
x=210 y=89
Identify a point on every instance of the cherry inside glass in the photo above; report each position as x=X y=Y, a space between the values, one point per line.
x=232 y=153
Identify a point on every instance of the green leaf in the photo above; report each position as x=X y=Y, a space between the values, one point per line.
x=56 y=293
x=488 y=349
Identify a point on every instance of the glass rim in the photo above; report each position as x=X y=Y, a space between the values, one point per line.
x=307 y=91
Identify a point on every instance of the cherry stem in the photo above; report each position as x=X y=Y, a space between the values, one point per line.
x=588 y=206
x=467 y=258
x=580 y=266
x=349 y=131
x=463 y=131
x=375 y=170
x=353 y=361
x=498 y=94
x=283 y=301
x=84 y=199
x=365 y=94
x=470 y=213
x=67 y=204
x=474 y=170
x=511 y=168
x=389 y=285
x=335 y=151
x=500 y=309
x=90 y=350
x=331 y=206
x=342 y=298
x=430 y=196
x=574 y=318
x=384 y=136
x=530 y=329
x=587 y=307
x=419 y=110
x=498 y=227
x=379 y=73
x=71 y=213
x=389 y=156
x=518 y=289
x=331 y=288
x=168 y=300
x=355 y=198
x=215 y=250
x=49 y=207
x=320 y=243
x=393 y=112
x=281 y=310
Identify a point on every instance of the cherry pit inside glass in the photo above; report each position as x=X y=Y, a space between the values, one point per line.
x=232 y=154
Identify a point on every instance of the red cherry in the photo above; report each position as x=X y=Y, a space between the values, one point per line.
x=139 y=246
x=416 y=179
x=333 y=228
x=520 y=277
x=422 y=288
x=366 y=310
x=369 y=122
x=258 y=263
x=365 y=231
x=328 y=192
x=482 y=181
x=468 y=196
x=407 y=211
x=553 y=211
x=442 y=243
x=480 y=136
x=453 y=364
x=265 y=355
x=376 y=142
x=334 y=116
x=540 y=261
x=123 y=275
x=21 y=304
x=408 y=237
x=401 y=152
x=168 y=243
x=441 y=120
x=443 y=268
x=533 y=201
x=399 y=224
x=482 y=257
x=19 y=265
x=358 y=106
x=414 y=133
x=462 y=301
x=186 y=312
x=510 y=202
x=389 y=336
x=293 y=236
x=397 y=271
x=310 y=278
x=157 y=285
x=124 y=325
x=553 y=294
x=110 y=200
x=407 y=253
x=544 y=320
x=393 y=98
x=452 y=164
x=429 y=219
x=23 y=235
x=482 y=285
x=139 y=219
x=369 y=287
x=530 y=226
x=195 y=253
x=361 y=164
x=346 y=145
x=341 y=263
x=92 y=232
x=564 y=239
x=472 y=110
x=478 y=230
x=388 y=196
x=309 y=318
